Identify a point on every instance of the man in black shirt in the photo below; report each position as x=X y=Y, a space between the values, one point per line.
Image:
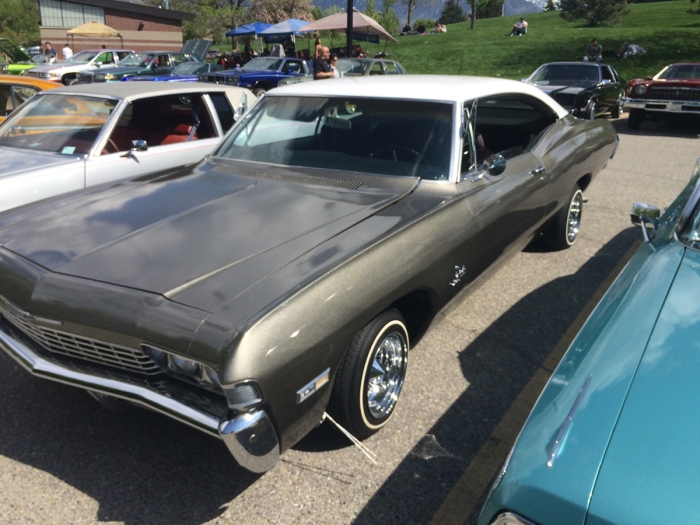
x=321 y=67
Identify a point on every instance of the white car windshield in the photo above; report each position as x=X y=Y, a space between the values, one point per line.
x=65 y=124
x=82 y=58
x=370 y=135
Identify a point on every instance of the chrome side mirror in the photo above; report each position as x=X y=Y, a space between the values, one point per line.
x=139 y=145
x=242 y=108
x=645 y=215
x=606 y=81
x=496 y=164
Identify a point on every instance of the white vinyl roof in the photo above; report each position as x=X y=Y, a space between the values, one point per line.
x=137 y=89
x=445 y=88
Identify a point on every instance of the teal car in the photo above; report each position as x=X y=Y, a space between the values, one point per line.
x=151 y=63
x=615 y=436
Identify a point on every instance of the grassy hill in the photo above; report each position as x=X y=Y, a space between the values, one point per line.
x=664 y=29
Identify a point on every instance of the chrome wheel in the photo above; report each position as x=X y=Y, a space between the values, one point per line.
x=386 y=374
x=574 y=221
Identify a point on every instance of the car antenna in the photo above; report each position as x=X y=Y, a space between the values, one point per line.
x=366 y=451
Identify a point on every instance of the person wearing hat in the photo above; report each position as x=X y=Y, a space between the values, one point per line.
x=519 y=28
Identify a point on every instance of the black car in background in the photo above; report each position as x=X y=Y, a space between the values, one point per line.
x=585 y=89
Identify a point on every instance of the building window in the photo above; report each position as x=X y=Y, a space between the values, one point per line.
x=55 y=13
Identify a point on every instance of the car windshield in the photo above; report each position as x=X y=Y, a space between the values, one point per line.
x=566 y=74
x=190 y=68
x=680 y=72
x=40 y=59
x=272 y=64
x=370 y=135
x=65 y=124
x=353 y=68
x=137 y=59
x=82 y=58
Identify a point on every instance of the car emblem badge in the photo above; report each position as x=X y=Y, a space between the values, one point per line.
x=304 y=392
x=459 y=273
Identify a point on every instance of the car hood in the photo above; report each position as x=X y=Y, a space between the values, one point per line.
x=650 y=471
x=54 y=67
x=171 y=234
x=13 y=51
x=120 y=70
x=18 y=162
x=675 y=83
x=569 y=89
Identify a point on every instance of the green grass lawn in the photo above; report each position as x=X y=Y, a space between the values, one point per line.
x=664 y=29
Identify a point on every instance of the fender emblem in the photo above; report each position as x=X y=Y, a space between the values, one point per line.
x=304 y=392
x=459 y=273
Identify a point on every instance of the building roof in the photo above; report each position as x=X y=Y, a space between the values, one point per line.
x=137 y=8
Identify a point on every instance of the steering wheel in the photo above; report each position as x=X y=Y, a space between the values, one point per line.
x=113 y=144
x=399 y=153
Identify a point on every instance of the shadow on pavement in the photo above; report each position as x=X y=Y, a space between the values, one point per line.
x=497 y=365
x=681 y=126
x=140 y=467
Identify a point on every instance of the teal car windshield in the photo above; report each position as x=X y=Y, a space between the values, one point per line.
x=137 y=59
x=263 y=64
x=190 y=68
x=369 y=135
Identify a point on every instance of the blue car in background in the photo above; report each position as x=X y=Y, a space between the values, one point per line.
x=185 y=72
x=261 y=74
x=615 y=436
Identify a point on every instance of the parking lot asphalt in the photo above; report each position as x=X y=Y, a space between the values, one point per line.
x=471 y=383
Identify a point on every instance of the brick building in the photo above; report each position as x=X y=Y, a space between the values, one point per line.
x=142 y=28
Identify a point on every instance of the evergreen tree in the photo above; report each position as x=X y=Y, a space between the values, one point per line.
x=451 y=13
x=594 y=12
x=550 y=6
x=490 y=8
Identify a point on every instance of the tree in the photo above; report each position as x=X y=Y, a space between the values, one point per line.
x=411 y=5
x=387 y=18
x=451 y=13
x=212 y=18
x=489 y=8
x=550 y=6
x=19 y=21
x=594 y=12
x=274 y=11
x=473 y=14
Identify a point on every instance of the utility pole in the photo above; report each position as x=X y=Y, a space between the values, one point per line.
x=349 y=29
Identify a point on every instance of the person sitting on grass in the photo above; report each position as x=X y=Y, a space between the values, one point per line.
x=594 y=52
x=629 y=50
x=420 y=28
x=406 y=29
x=519 y=28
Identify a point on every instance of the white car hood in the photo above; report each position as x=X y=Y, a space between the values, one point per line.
x=17 y=162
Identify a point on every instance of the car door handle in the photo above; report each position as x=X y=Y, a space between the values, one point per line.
x=538 y=171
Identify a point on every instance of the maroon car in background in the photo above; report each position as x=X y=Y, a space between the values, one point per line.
x=674 y=90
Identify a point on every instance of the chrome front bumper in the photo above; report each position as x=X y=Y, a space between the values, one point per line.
x=250 y=437
x=662 y=106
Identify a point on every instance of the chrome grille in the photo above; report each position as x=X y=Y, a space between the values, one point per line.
x=31 y=73
x=55 y=341
x=659 y=93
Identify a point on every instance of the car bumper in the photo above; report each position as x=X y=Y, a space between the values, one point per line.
x=662 y=106
x=250 y=437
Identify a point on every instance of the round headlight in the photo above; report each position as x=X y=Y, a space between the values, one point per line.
x=640 y=89
x=182 y=365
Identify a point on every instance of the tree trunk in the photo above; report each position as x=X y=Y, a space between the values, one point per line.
x=473 y=2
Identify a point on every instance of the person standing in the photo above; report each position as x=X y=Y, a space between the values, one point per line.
x=318 y=46
x=594 y=52
x=322 y=68
x=50 y=52
x=67 y=52
x=333 y=61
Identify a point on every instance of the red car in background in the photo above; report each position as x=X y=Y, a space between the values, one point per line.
x=674 y=90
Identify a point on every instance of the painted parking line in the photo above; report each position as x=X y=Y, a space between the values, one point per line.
x=460 y=502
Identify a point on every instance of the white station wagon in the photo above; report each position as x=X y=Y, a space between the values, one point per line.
x=79 y=136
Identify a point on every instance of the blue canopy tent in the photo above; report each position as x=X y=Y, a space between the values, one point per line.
x=280 y=32
x=253 y=29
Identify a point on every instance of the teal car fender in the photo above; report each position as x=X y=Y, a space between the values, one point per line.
x=552 y=471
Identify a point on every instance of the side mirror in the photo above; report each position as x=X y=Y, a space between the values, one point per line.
x=645 y=215
x=496 y=164
x=139 y=145
x=242 y=108
x=606 y=81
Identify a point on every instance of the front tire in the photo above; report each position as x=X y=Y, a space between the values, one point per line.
x=635 y=118
x=259 y=91
x=615 y=113
x=370 y=376
x=591 y=109
x=564 y=228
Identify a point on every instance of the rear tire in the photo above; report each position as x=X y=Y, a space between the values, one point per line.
x=635 y=118
x=370 y=376
x=615 y=113
x=259 y=91
x=564 y=228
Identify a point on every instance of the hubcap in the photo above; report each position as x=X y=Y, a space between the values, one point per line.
x=574 y=217
x=386 y=375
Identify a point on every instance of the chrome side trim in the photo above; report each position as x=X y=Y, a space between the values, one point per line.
x=508 y=518
x=670 y=106
x=564 y=430
x=251 y=438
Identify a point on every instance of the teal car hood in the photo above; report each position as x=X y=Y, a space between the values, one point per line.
x=608 y=350
x=651 y=471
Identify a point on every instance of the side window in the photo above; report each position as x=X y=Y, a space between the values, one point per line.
x=468 y=140
x=391 y=68
x=105 y=58
x=223 y=110
x=377 y=69
x=6 y=104
x=509 y=125
x=162 y=61
x=22 y=94
x=292 y=66
x=121 y=55
x=178 y=59
x=607 y=74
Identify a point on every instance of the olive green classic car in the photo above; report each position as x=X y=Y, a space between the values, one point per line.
x=289 y=273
